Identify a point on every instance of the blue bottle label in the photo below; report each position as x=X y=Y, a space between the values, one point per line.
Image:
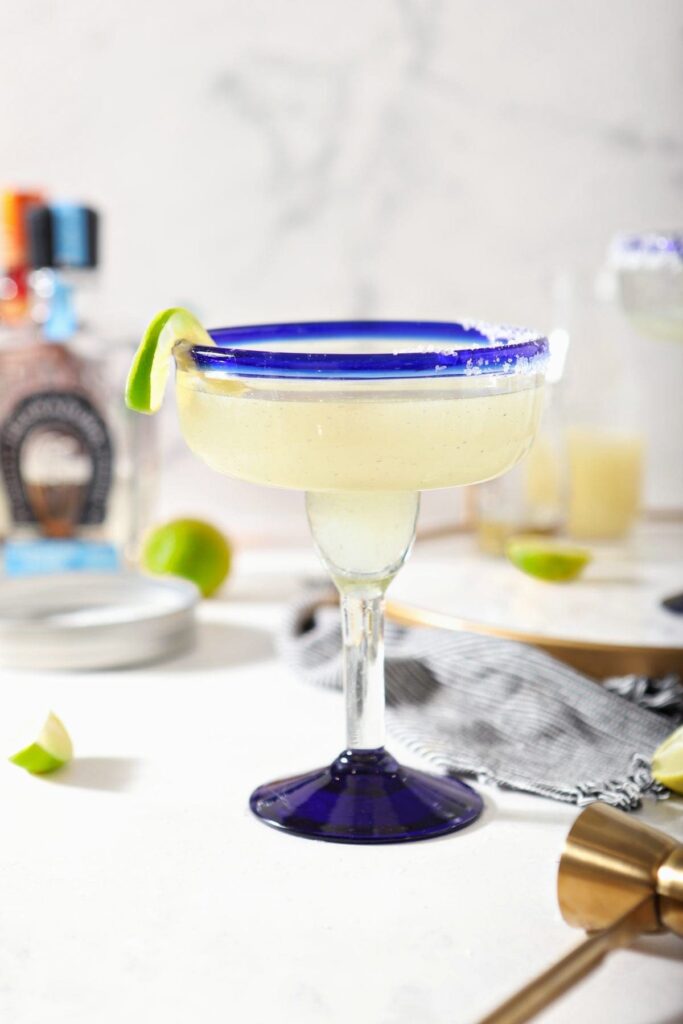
x=35 y=557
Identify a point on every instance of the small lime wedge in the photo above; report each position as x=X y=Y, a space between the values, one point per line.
x=667 y=763
x=546 y=560
x=148 y=374
x=51 y=749
x=189 y=548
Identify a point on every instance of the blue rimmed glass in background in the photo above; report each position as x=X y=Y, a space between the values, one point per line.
x=650 y=273
x=362 y=416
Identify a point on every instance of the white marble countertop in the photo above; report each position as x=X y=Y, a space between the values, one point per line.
x=135 y=885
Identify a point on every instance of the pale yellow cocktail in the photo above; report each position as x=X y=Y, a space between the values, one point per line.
x=358 y=436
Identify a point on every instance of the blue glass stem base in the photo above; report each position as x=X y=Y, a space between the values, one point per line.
x=365 y=796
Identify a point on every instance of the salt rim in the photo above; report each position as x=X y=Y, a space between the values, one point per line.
x=647 y=249
x=501 y=334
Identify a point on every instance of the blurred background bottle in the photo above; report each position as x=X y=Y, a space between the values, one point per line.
x=77 y=470
x=14 y=289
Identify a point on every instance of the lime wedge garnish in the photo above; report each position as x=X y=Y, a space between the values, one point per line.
x=546 y=560
x=148 y=374
x=667 y=763
x=51 y=749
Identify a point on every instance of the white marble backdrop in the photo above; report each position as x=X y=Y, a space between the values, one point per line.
x=263 y=159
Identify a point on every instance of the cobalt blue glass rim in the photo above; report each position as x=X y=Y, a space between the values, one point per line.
x=650 y=243
x=483 y=349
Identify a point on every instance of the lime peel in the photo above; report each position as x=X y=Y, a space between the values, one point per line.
x=52 y=749
x=546 y=560
x=667 y=762
x=149 y=371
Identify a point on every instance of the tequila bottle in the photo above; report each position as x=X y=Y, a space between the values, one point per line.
x=76 y=468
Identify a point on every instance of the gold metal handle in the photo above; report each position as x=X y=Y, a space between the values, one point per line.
x=567 y=971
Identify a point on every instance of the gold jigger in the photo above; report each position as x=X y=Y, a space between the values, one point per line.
x=617 y=879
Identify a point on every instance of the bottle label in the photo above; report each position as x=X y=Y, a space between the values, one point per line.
x=38 y=557
x=56 y=459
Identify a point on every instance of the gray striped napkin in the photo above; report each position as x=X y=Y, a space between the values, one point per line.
x=504 y=712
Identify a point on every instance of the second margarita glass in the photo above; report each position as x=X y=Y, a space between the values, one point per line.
x=362 y=416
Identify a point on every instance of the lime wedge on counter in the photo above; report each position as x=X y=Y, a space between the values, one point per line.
x=51 y=750
x=546 y=560
x=148 y=374
x=667 y=763
x=189 y=548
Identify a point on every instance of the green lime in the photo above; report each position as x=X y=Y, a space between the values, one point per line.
x=148 y=374
x=546 y=560
x=51 y=749
x=667 y=763
x=189 y=548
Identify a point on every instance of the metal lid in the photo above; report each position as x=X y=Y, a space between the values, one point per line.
x=89 y=620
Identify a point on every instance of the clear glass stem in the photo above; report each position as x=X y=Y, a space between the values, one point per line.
x=363 y=633
x=363 y=538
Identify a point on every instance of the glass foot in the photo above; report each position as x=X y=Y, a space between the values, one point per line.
x=365 y=796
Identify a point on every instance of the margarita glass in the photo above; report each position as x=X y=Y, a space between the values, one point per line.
x=650 y=275
x=362 y=416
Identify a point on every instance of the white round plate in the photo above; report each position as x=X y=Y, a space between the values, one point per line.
x=85 y=620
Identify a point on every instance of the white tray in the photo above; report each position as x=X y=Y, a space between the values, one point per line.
x=608 y=622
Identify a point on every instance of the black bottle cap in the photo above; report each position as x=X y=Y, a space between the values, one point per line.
x=40 y=237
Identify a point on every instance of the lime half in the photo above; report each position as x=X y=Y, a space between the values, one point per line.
x=667 y=763
x=190 y=548
x=149 y=372
x=545 y=560
x=51 y=749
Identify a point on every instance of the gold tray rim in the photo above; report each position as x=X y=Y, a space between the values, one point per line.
x=408 y=614
x=593 y=657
